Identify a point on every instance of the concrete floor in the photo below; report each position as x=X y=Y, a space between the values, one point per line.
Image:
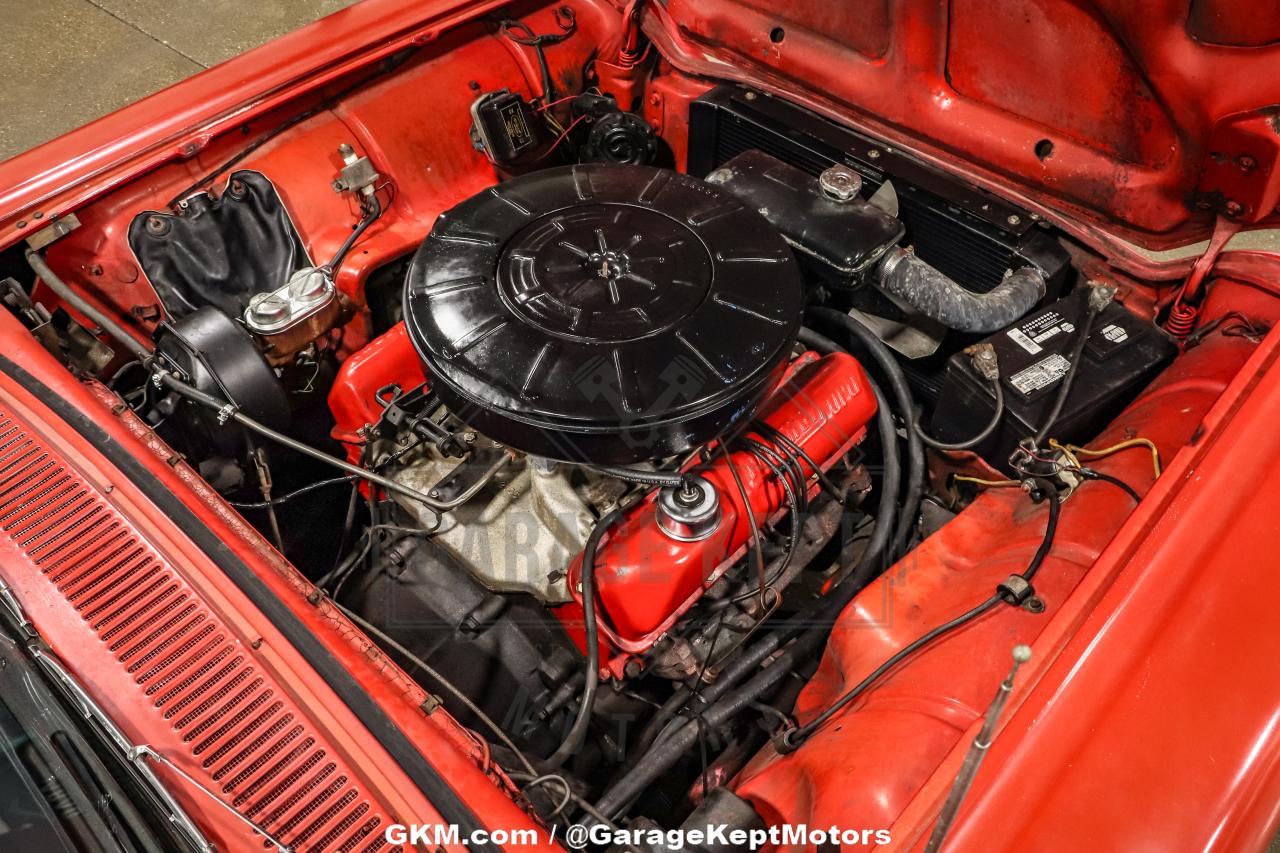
x=67 y=62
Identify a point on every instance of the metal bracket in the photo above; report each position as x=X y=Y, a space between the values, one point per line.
x=56 y=230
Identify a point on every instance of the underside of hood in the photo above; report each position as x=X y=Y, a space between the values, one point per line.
x=1145 y=118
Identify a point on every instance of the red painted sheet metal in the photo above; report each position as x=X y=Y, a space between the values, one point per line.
x=452 y=750
x=892 y=742
x=178 y=122
x=1156 y=726
x=388 y=359
x=1104 y=110
x=175 y=673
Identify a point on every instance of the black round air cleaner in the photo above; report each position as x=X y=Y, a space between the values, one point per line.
x=603 y=313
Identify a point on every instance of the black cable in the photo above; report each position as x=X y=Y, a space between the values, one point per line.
x=664 y=479
x=285 y=498
x=793 y=505
x=901 y=391
x=791 y=739
x=977 y=439
x=1091 y=474
x=1091 y=310
x=877 y=547
x=757 y=543
x=578 y=731
x=771 y=432
x=372 y=210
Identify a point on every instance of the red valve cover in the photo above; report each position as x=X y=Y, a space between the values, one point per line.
x=646 y=579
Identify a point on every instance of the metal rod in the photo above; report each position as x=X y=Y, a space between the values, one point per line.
x=977 y=752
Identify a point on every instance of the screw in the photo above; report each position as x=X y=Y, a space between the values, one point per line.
x=750 y=96
x=873 y=154
x=1246 y=163
x=1014 y=219
x=1233 y=207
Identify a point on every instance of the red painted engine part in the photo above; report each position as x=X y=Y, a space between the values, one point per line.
x=865 y=766
x=388 y=359
x=646 y=580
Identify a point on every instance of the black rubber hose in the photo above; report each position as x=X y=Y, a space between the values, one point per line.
x=662 y=479
x=578 y=732
x=101 y=320
x=935 y=295
x=888 y=364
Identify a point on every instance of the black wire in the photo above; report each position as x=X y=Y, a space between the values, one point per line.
x=578 y=731
x=756 y=541
x=795 y=737
x=982 y=435
x=285 y=498
x=372 y=210
x=793 y=505
x=771 y=432
x=1064 y=390
x=901 y=391
x=1091 y=474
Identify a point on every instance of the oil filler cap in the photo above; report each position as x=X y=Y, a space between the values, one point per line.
x=603 y=313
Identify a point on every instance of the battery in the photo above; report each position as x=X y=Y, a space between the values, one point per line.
x=1123 y=354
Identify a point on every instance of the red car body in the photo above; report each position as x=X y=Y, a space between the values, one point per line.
x=1147 y=718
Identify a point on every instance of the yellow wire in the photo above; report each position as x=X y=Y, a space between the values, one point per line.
x=960 y=478
x=1115 y=448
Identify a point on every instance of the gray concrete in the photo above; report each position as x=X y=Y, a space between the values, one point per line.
x=67 y=62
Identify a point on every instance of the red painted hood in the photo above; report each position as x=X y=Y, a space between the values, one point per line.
x=1141 y=117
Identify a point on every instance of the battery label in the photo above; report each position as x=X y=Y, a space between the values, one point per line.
x=1023 y=341
x=1042 y=374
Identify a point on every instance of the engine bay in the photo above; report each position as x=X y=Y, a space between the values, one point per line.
x=659 y=424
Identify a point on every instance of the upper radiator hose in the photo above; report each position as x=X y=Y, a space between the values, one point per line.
x=933 y=294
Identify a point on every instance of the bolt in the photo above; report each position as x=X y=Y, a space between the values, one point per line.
x=1014 y=219
x=158 y=225
x=1246 y=163
x=22 y=223
x=435 y=493
x=873 y=154
x=750 y=96
x=469 y=437
x=1233 y=207
x=37 y=215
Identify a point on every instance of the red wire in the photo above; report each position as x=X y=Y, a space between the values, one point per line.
x=556 y=101
x=561 y=137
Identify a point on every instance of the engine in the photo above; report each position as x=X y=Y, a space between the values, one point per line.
x=578 y=339
x=603 y=412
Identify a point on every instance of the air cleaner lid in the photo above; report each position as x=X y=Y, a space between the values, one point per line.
x=603 y=313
